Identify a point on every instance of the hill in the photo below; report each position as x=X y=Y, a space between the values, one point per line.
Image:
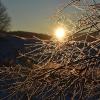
x=12 y=42
x=30 y=34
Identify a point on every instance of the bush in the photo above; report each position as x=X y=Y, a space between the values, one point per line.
x=4 y=18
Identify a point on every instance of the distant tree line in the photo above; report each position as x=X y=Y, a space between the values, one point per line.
x=4 y=18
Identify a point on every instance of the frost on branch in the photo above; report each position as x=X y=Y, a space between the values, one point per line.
x=49 y=70
x=73 y=69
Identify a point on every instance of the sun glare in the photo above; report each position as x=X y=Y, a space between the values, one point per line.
x=60 y=33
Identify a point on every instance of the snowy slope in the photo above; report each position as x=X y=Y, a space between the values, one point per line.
x=9 y=46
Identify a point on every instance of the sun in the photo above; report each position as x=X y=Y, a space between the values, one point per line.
x=60 y=33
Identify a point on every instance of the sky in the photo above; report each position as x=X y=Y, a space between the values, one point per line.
x=31 y=15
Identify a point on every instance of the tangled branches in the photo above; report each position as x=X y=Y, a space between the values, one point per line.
x=73 y=71
x=49 y=70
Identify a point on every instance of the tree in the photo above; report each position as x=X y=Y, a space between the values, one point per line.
x=4 y=18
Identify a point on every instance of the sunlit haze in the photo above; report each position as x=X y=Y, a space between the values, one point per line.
x=60 y=33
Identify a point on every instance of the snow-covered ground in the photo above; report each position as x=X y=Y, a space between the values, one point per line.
x=9 y=46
